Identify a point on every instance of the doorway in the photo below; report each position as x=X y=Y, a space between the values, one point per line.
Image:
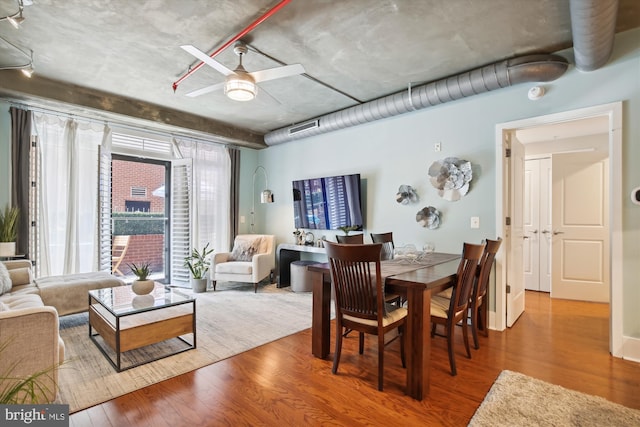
x=139 y=214
x=566 y=209
x=612 y=113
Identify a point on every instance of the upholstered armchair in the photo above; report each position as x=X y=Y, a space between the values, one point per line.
x=252 y=259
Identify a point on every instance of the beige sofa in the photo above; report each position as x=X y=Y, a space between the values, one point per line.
x=29 y=328
x=252 y=259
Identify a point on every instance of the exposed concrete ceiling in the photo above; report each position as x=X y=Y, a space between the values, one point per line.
x=123 y=56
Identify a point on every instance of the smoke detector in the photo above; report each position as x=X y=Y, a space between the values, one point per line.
x=536 y=93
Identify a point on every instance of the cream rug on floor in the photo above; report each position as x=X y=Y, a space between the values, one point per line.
x=518 y=400
x=229 y=321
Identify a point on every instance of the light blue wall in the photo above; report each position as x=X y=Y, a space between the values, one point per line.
x=400 y=150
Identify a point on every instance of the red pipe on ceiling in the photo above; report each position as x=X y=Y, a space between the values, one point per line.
x=241 y=34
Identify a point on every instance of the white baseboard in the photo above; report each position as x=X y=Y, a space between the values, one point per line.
x=631 y=349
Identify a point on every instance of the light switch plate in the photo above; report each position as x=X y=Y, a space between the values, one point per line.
x=437 y=146
x=242 y=220
x=475 y=222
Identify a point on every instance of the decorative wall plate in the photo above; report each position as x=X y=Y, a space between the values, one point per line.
x=406 y=194
x=451 y=176
x=428 y=217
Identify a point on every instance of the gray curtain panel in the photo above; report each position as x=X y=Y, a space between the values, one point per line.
x=20 y=184
x=234 y=154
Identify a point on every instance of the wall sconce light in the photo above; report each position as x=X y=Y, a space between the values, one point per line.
x=266 y=196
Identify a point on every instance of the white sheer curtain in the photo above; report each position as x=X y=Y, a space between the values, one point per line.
x=211 y=193
x=68 y=180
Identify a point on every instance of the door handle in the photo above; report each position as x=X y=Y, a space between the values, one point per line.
x=535 y=231
x=525 y=237
x=558 y=232
x=545 y=232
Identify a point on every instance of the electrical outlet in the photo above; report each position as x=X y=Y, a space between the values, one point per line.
x=437 y=146
x=475 y=222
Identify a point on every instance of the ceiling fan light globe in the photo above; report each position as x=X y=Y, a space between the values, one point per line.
x=240 y=90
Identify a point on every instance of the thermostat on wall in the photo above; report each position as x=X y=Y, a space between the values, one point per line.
x=635 y=195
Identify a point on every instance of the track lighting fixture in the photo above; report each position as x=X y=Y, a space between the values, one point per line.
x=15 y=19
x=26 y=68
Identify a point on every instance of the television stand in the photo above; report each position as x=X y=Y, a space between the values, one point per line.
x=288 y=253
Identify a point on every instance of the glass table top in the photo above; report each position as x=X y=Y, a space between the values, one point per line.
x=121 y=300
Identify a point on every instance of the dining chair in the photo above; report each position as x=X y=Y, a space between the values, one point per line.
x=387 y=244
x=478 y=312
x=355 y=239
x=359 y=239
x=359 y=299
x=118 y=251
x=450 y=311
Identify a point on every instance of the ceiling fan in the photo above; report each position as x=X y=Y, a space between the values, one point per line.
x=240 y=85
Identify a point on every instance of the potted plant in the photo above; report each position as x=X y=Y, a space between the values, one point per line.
x=348 y=228
x=142 y=285
x=198 y=265
x=8 y=230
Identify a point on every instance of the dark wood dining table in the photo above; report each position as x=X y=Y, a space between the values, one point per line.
x=417 y=286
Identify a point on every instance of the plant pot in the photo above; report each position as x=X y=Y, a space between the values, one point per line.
x=7 y=249
x=142 y=287
x=198 y=285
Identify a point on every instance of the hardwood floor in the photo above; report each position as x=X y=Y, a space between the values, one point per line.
x=282 y=384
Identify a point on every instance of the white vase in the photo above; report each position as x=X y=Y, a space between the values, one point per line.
x=7 y=249
x=142 y=287
x=198 y=285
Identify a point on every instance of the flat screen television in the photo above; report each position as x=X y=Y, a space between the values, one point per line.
x=328 y=203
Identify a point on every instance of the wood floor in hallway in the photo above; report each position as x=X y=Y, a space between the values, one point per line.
x=282 y=384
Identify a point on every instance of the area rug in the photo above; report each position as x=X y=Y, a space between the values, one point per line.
x=518 y=400
x=229 y=321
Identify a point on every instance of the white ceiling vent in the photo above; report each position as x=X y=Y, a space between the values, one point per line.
x=304 y=126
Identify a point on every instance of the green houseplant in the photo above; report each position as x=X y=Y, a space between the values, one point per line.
x=142 y=285
x=198 y=264
x=8 y=230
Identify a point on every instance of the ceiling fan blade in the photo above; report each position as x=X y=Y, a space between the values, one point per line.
x=204 y=90
x=277 y=73
x=267 y=97
x=207 y=59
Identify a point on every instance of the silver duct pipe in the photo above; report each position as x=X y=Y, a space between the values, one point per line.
x=531 y=68
x=593 y=26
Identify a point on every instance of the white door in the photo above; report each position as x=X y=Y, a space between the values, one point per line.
x=514 y=169
x=530 y=249
x=546 y=218
x=581 y=226
x=537 y=224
